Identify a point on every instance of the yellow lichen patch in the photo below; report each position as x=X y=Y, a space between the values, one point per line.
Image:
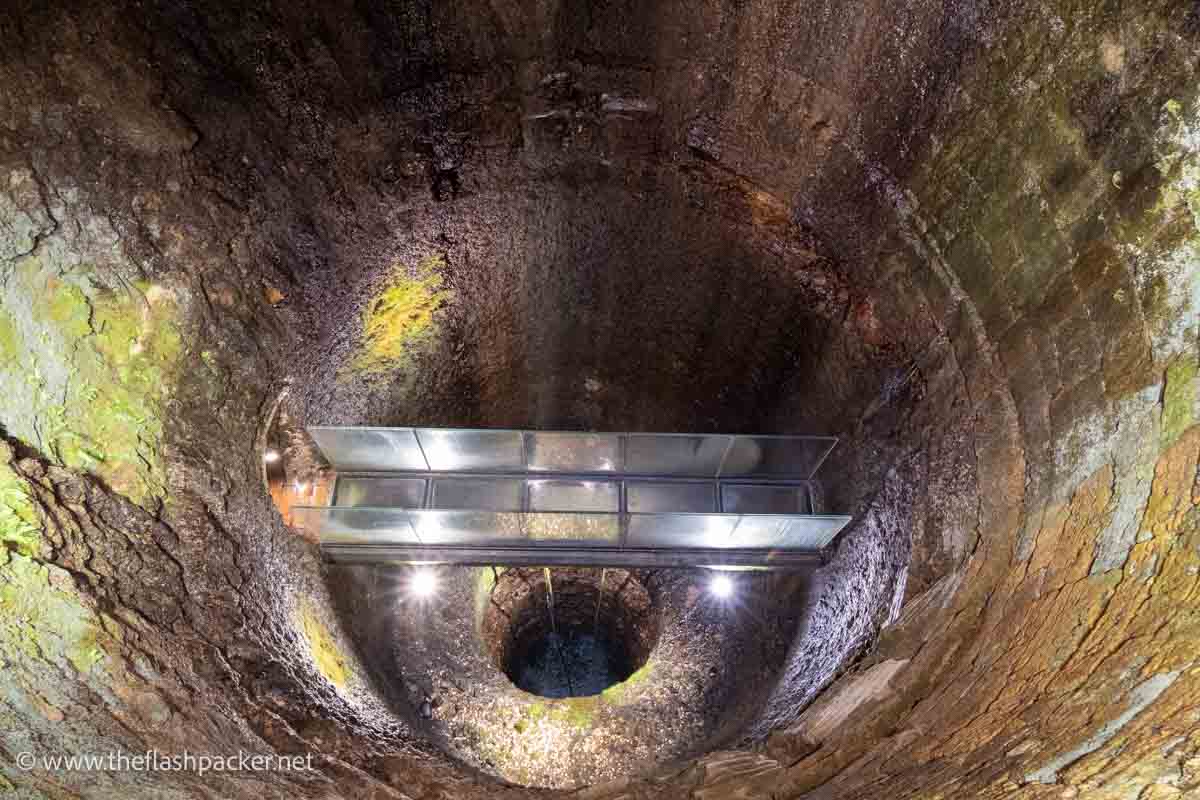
x=400 y=319
x=326 y=655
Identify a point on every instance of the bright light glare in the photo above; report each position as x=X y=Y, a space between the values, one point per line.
x=722 y=586
x=271 y=456
x=424 y=582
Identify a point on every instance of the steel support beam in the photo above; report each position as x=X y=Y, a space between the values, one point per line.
x=544 y=556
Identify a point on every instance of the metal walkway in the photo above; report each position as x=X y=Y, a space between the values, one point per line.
x=551 y=498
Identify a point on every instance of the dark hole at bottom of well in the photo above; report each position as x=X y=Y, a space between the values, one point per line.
x=571 y=663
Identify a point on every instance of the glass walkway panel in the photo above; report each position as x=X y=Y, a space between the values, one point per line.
x=563 y=498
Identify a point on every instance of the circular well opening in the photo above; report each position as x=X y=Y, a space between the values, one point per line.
x=580 y=633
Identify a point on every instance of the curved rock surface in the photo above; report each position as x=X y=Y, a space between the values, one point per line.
x=962 y=236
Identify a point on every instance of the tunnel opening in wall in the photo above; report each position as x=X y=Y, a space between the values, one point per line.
x=569 y=632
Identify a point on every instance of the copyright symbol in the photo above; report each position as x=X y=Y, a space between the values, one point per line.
x=26 y=760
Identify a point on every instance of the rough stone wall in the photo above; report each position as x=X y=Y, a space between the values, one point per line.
x=989 y=217
x=1055 y=656
x=148 y=595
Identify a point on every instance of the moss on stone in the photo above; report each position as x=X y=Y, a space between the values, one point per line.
x=20 y=527
x=65 y=306
x=1179 y=398
x=400 y=319
x=42 y=618
x=327 y=656
x=619 y=693
x=581 y=711
x=138 y=347
x=494 y=748
x=120 y=349
x=10 y=341
x=485 y=583
x=577 y=712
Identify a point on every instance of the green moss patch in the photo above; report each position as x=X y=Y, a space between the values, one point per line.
x=95 y=366
x=1179 y=399
x=10 y=341
x=66 y=307
x=573 y=712
x=400 y=320
x=620 y=693
x=20 y=527
x=580 y=711
x=43 y=618
x=134 y=353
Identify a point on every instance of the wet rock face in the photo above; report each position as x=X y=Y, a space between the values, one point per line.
x=964 y=238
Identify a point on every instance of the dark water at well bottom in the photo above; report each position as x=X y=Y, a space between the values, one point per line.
x=570 y=664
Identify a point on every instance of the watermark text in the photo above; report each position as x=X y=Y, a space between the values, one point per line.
x=158 y=761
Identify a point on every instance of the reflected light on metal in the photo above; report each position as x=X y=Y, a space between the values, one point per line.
x=424 y=582
x=555 y=498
